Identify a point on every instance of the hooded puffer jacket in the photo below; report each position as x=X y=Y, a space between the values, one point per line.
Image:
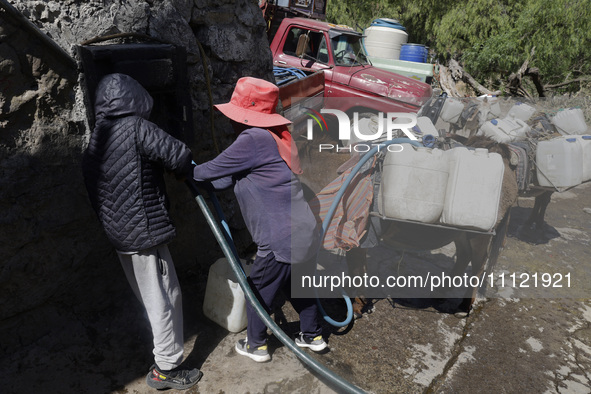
x=124 y=165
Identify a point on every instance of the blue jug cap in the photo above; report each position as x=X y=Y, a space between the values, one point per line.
x=571 y=139
x=495 y=122
x=429 y=141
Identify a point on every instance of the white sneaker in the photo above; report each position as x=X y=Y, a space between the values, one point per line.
x=259 y=354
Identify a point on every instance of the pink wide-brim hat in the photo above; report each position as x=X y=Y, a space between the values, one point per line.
x=253 y=103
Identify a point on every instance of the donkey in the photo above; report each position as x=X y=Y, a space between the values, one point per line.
x=471 y=247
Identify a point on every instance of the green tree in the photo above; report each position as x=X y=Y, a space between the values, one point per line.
x=490 y=38
x=497 y=44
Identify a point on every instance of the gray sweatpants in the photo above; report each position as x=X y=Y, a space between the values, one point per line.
x=153 y=279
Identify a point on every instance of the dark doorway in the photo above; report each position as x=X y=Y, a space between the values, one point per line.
x=160 y=68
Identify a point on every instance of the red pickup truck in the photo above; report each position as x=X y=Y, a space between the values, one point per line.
x=351 y=83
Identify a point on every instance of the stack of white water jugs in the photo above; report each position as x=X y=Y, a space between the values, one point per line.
x=564 y=161
x=512 y=127
x=459 y=187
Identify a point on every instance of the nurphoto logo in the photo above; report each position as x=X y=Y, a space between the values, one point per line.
x=389 y=123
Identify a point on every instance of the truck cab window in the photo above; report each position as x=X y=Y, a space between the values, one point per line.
x=291 y=42
x=310 y=45
x=348 y=50
x=323 y=51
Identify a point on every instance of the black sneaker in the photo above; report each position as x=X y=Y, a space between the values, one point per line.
x=177 y=378
x=316 y=344
x=260 y=354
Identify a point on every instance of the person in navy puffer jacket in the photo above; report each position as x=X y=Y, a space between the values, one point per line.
x=123 y=169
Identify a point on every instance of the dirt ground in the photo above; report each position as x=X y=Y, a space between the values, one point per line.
x=515 y=340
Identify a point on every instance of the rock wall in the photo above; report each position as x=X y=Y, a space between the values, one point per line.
x=55 y=256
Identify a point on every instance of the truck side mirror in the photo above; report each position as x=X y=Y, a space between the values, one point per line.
x=303 y=42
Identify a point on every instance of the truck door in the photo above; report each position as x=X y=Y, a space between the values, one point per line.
x=304 y=48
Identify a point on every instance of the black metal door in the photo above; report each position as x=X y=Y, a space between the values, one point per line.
x=160 y=68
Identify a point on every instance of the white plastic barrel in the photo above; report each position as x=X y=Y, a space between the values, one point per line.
x=413 y=184
x=585 y=142
x=224 y=301
x=473 y=188
x=384 y=41
x=570 y=121
x=522 y=111
x=505 y=130
x=559 y=162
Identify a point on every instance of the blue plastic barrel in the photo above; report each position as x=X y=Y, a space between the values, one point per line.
x=413 y=53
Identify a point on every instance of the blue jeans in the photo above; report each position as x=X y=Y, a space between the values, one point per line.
x=267 y=277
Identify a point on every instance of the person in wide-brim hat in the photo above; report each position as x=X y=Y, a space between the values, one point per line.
x=261 y=164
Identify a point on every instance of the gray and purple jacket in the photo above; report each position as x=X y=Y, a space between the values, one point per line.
x=269 y=194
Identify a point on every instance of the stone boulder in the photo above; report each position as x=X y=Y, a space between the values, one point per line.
x=55 y=255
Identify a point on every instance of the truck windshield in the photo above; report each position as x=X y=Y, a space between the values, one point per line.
x=347 y=49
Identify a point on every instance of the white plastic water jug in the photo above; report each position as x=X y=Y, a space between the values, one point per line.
x=522 y=111
x=505 y=130
x=224 y=301
x=559 y=162
x=570 y=121
x=489 y=107
x=413 y=184
x=451 y=110
x=473 y=188
x=425 y=125
x=585 y=142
